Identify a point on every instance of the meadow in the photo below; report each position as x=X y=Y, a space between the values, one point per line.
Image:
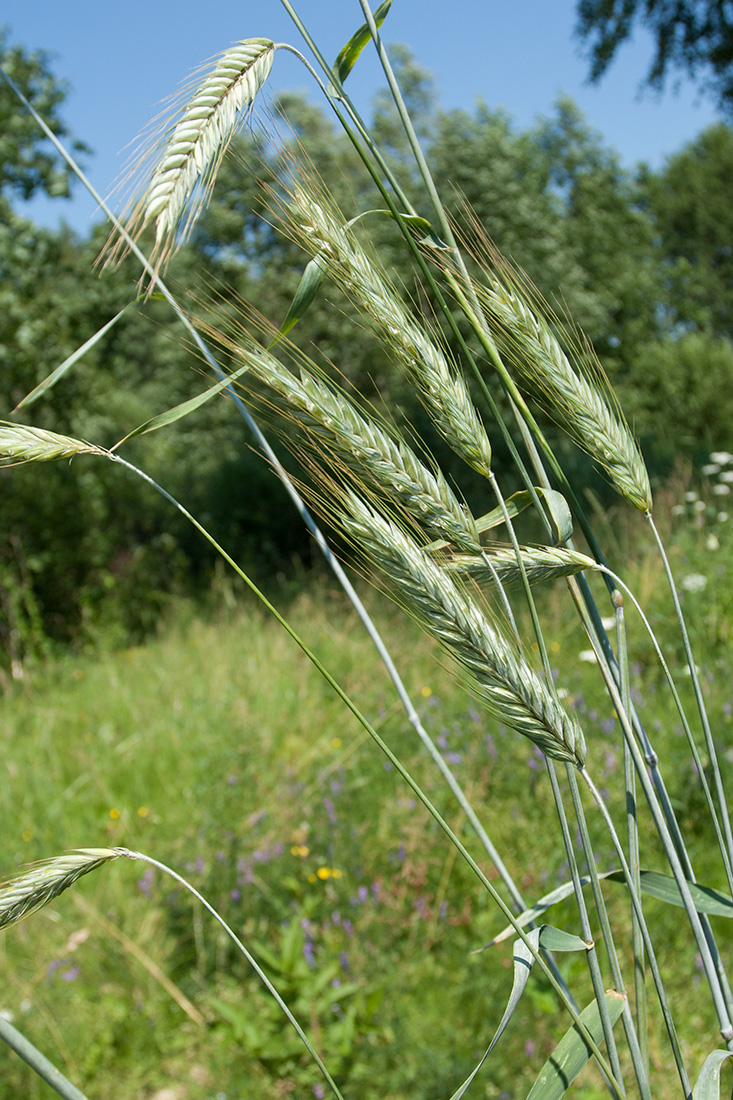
x=217 y=748
x=307 y=872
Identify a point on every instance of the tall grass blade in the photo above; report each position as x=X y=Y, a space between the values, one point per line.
x=162 y=420
x=653 y=883
x=707 y=1086
x=349 y=55
x=546 y=937
x=571 y=1054
x=60 y=371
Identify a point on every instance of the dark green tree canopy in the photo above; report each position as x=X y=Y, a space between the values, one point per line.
x=691 y=36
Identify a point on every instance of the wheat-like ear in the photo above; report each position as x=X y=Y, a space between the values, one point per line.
x=45 y=880
x=541 y=563
x=185 y=172
x=321 y=227
x=509 y=687
x=23 y=443
x=577 y=394
x=362 y=444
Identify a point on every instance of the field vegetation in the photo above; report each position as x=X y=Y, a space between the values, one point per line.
x=367 y=851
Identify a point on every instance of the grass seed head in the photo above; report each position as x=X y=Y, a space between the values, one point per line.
x=44 y=881
x=21 y=443
x=509 y=687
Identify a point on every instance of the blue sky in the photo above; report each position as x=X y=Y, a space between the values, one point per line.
x=123 y=59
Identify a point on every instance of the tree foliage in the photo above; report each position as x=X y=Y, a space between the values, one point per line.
x=642 y=260
x=694 y=37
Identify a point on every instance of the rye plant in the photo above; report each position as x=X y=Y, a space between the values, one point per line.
x=483 y=360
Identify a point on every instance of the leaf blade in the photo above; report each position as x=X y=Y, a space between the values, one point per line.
x=572 y=1053
x=67 y=364
x=179 y=411
x=349 y=55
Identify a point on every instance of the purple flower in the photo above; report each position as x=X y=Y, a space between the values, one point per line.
x=145 y=882
x=70 y=974
x=330 y=811
x=309 y=953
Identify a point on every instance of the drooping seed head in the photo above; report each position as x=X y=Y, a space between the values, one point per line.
x=24 y=443
x=44 y=881
x=185 y=172
x=509 y=687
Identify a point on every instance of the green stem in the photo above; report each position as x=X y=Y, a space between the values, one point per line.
x=38 y=1062
x=640 y=1066
x=632 y=834
x=250 y=959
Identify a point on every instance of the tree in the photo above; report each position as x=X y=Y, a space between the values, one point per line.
x=691 y=36
x=689 y=200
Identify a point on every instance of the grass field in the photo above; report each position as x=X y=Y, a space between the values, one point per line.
x=216 y=748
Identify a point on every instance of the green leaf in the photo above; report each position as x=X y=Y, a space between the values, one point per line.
x=349 y=55
x=707 y=1086
x=560 y=518
x=653 y=883
x=573 y=1052
x=61 y=370
x=547 y=937
x=309 y=285
x=186 y=407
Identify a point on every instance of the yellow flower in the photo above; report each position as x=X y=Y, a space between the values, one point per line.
x=328 y=872
x=301 y=850
x=335 y=742
x=114 y=814
x=142 y=811
x=426 y=692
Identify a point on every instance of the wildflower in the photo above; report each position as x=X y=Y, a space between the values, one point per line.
x=114 y=814
x=712 y=542
x=588 y=656
x=711 y=469
x=679 y=509
x=426 y=692
x=694 y=582
x=722 y=458
x=727 y=475
x=301 y=850
x=690 y=496
x=721 y=490
x=722 y=517
x=335 y=742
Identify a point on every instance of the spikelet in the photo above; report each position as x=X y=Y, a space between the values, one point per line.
x=45 y=880
x=23 y=443
x=366 y=447
x=509 y=687
x=541 y=563
x=442 y=388
x=185 y=172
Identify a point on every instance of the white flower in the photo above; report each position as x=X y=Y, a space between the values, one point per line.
x=711 y=542
x=588 y=655
x=678 y=509
x=722 y=517
x=694 y=582
x=722 y=458
x=690 y=496
x=710 y=469
x=700 y=506
x=727 y=475
x=721 y=490
x=608 y=622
